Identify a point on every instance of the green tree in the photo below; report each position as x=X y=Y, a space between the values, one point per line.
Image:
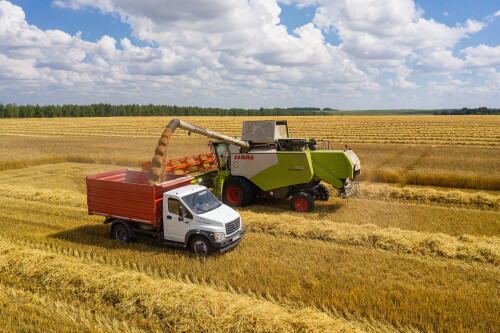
x=10 y=111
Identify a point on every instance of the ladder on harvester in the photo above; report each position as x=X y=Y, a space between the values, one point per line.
x=222 y=175
x=218 y=186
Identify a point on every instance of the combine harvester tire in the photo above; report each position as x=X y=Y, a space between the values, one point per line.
x=321 y=192
x=302 y=202
x=237 y=192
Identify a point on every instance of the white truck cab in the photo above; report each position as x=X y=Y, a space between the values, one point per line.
x=193 y=216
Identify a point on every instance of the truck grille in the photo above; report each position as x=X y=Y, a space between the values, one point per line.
x=232 y=226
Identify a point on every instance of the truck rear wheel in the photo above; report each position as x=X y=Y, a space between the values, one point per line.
x=302 y=202
x=237 y=192
x=121 y=232
x=200 y=245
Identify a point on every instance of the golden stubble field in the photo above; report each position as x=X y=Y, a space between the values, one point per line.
x=419 y=250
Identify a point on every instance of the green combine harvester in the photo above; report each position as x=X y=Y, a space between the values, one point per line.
x=267 y=163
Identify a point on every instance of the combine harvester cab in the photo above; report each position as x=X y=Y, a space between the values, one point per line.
x=267 y=163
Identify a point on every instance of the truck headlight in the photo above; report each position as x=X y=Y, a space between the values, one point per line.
x=219 y=236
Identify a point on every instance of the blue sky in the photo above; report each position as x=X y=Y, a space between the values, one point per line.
x=339 y=54
x=92 y=22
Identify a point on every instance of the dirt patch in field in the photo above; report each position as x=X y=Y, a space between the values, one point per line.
x=157 y=172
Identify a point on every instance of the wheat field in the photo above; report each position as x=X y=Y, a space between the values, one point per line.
x=418 y=250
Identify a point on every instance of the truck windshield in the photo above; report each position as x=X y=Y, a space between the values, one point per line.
x=201 y=202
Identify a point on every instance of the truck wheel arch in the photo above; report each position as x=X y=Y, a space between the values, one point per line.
x=193 y=233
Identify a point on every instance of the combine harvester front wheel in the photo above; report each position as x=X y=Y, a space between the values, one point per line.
x=237 y=192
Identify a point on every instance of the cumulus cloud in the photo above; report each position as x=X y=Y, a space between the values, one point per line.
x=388 y=36
x=438 y=61
x=482 y=56
x=463 y=91
x=242 y=33
x=401 y=83
x=238 y=45
x=386 y=32
x=237 y=53
x=401 y=78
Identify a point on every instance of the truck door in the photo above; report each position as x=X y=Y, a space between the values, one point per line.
x=177 y=220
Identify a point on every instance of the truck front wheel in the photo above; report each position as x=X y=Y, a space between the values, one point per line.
x=122 y=232
x=302 y=202
x=200 y=245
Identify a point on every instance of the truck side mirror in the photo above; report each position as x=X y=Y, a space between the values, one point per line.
x=181 y=213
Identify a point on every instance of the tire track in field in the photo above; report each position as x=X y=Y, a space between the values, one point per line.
x=398 y=175
x=101 y=271
x=467 y=248
x=393 y=157
x=417 y=160
x=102 y=249
x=451 y=198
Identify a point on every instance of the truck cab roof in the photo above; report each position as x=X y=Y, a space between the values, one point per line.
x=182 y=191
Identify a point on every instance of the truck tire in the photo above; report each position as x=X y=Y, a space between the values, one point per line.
x=121 y=232
x=321 y=192
x=237 y=192
x=302 y=202
x=200 y=245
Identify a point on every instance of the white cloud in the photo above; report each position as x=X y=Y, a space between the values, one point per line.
x=386 y=32
x=238 y=45
x=301 y=3
x=237 y=53
x=106 y=46
x=17 y=69
x=246 y=35
x=463 y=91
x=438 y=61
x=78 y=4
x=401 y=83
x=482 y=56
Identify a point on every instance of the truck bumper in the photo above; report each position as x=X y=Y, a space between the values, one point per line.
x=228 y=243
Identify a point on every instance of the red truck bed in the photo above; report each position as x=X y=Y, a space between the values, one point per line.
x=124 y=194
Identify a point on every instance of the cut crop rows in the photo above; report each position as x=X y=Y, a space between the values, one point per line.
x=418 y=250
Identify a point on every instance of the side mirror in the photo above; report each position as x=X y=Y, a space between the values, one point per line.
x=181 y=213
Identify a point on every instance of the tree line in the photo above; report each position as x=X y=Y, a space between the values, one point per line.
x=133 y=110
x=466 y=111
